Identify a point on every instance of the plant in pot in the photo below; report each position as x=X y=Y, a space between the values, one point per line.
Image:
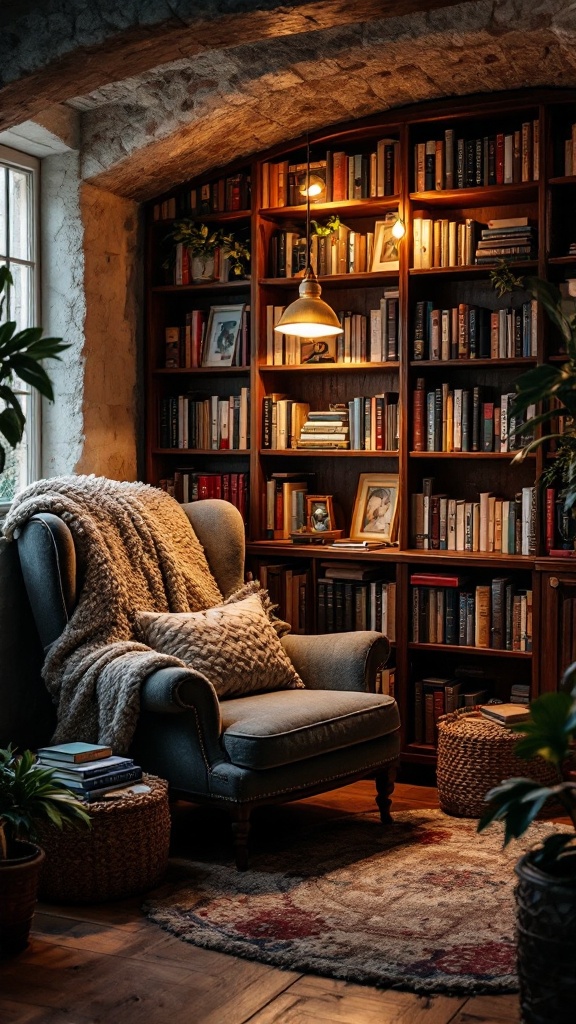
x=28 y=794
x=237 y=251
x=201 y=244
x=20 y=355
x=546 y=888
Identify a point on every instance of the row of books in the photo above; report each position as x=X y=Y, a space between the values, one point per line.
x=224 y=195
x=465 y=420
x=343 y=252
x=443 y=242
x=187 y=485
x=466 y=331
x=455 y=162
x=89 y=770
x=289 y=587
x=510 y=242
x=490 y=524
x=338 y=177
x=185 y=344
x=435 y=696
x=285 y=503
x=205 y=422
x=370 y=423
x=374 y=338
x=446 y=610
x=346 y=604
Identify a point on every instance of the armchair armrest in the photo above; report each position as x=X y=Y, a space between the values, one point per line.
x=176 y=691
x=338 y=661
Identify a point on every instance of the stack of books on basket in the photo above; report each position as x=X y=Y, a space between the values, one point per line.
x=89 y=770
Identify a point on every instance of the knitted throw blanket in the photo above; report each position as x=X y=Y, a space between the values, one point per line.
x=136 y=551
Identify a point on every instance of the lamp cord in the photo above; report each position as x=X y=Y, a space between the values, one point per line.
x=308 y=238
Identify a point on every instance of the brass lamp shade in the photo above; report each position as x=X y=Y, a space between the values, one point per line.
x=309 y=316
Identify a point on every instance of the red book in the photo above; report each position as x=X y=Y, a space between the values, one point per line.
x=203 y=486
x=419 y=424
x=215 y=486
x=339 y=177
x=242 y=495
x=226 y=486
x=550 y=518
x=500 y=159
x=234 y=488
x=425 y=579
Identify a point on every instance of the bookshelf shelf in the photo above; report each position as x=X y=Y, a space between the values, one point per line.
x=324 y=368
x=463 y=649
x=466 y=455
x=323 y=452
x=472 y=270
x=455 y=364
x=217 y=452
x=370 y=303
x=333 y=280
x=202 y=371
x=207 y=286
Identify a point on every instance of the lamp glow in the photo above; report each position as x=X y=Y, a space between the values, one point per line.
x=311 y=185
x=398 y=229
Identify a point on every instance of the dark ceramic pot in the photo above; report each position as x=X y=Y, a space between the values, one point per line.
x=19 y=876
x=546 y=938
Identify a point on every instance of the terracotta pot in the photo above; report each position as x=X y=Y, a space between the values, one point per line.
x=19 y=876
x=546 y=937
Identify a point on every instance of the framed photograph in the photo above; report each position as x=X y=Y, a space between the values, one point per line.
x=319 y=513
x=319 y=350
x=375 y=513
x=222 y=332
x=385 y=255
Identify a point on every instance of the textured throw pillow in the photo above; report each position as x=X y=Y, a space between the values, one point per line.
x=253 y=587
x=235 y=645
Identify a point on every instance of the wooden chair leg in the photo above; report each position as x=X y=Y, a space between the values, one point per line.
x=385 y=779
x=240 y=833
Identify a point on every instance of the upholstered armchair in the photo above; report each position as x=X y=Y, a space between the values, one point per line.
x=236 y=753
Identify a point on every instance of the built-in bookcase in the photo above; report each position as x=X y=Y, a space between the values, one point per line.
x=429 y=351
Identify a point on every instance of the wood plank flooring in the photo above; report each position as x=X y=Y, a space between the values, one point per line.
x=107 y=964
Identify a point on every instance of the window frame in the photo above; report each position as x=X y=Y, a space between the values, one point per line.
x=24 y=161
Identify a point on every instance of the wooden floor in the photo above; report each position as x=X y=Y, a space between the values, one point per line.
x=108 y=964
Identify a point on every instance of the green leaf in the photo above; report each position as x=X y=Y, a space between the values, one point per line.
x=2 y=458
x=11 y=427
x=34 y=374
x=8 y=395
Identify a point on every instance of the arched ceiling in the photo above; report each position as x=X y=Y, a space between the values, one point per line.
x=166 y=90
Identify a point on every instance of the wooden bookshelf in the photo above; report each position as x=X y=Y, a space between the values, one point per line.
x=461 y=475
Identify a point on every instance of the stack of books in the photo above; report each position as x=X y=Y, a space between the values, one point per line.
x=326 y=428
x=512 y=239
x=90 y=770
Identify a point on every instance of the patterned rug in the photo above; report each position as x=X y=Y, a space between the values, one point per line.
x=426 y=906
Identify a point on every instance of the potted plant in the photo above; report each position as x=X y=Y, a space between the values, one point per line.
x=546 y=888
x=237 y=252
x=28 y=795
x=20 y=355
x=201 y=244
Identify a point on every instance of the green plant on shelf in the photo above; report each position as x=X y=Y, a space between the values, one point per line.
x=237 y=252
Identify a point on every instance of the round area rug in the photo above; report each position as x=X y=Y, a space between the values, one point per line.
x=425 y=905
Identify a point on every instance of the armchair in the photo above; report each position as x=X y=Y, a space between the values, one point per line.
x=245 y=751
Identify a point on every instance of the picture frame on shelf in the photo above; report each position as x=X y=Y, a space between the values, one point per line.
x=375 y=514
x=222 y=333
x=319 y=513
x=386 y=254
x=318 y=350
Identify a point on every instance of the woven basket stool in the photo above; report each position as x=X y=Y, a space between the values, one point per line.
x=124 y=852
x=473 y=756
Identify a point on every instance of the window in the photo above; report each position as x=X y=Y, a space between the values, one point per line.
x=19 y=251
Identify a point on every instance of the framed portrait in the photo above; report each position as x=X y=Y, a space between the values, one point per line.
x=319 y=513
x=318 y=350
x=385 y=255
x=222 y=332
x=375 y=515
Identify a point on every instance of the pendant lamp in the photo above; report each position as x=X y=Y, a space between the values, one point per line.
x=309 y=316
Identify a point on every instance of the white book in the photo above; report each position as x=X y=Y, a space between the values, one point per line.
x=375 y=335
x=426 y=243
x=526 y=513
x=452 y=244
x=491 y=521
x=483 y=541
x=451 y=526
x=476 y=526
x=244 y=404
x=223 y=413
x=214 y=421
x=458 y=419
x=460 y=525
x=417 y=232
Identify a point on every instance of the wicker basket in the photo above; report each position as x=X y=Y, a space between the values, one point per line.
x=123 y=853
x=474 y=755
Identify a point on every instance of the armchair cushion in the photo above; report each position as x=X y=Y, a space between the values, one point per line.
x=273 y=729
x=234 y=645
